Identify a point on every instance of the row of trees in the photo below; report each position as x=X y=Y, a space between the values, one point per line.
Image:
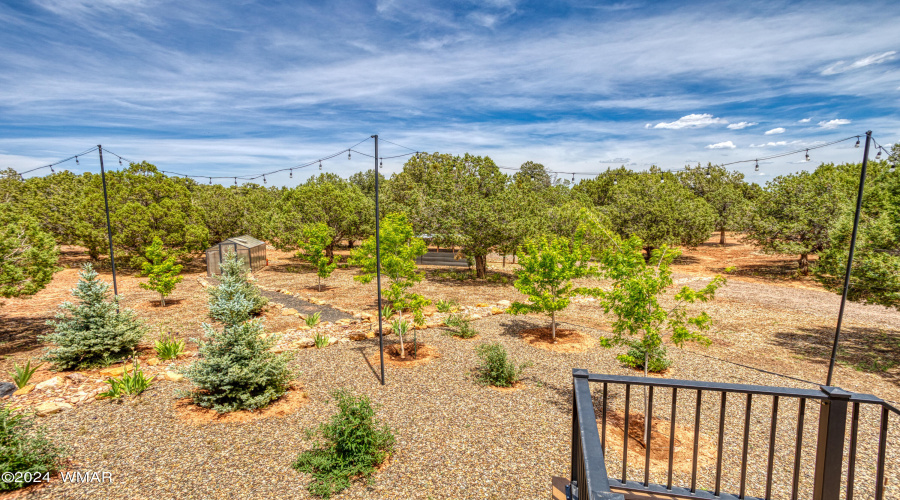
x=469 y=203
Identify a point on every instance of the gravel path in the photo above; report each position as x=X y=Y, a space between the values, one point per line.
x=328 y=313
x=455 y=439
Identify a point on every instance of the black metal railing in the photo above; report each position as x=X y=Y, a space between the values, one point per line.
x=832 y=477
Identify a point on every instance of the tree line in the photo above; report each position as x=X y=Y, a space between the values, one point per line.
x=466 y=202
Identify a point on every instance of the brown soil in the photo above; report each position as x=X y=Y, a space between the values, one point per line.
x=659 y=443
x=515 y=387
x=424 y=355
x=292 y=400
x=567 y=341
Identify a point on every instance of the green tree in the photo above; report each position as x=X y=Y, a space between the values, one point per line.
x=724 y=191
x=92 y=332
x=875 y=275
x=795 y=213
x=533 y=174
x=399 y=250
x=235 y=299
x=28 y=255
x=237 y=369
x=599 y=189
x=547 y=268
x=162 y=271
x=656 y=208
x=316 y=237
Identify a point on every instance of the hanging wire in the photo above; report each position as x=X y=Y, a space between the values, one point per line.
x=50 y=166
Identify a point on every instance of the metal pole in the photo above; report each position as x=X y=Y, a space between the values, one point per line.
x=112 y=259
x=378 y=261
x=859 y=196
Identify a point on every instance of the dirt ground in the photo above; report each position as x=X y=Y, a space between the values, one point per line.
x=766 y=317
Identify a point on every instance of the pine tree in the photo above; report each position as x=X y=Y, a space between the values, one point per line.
x=237 y=370
x=235 y=299
x=162 y=271
x=91 y=332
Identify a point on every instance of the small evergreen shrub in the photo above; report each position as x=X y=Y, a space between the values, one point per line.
x=237 y=370
x=22 y=374
x=496 y=368
x=657 y=361
x=24 y=448
x=129 y=384
x=91 y=333
x=235 y=300
x=462 y=327
x=353 y=444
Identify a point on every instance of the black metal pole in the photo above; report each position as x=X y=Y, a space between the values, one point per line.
x=859 y=196
x=112 y=259
x=378 y=260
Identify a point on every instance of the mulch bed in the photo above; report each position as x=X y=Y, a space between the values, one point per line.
x=567 y=340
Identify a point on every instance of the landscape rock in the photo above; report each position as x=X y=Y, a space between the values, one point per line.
x=504 y=303
x=497 y=310
x=174 y=377
x=153 y=361
x=76 y=377
x=115 y=371
x=358 y=336
x=481 y=304
x=304 y=343
x=7 y=389
x=51 y=407
x=24 y=390
x=475 y=316
x=49 y=384
x=288 y=312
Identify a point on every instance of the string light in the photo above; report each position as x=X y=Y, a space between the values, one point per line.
x=320 y=165
x=292 y=174
x=264 y=179
x=707 y=173
x=76 y=161
x=878 y=154
x=235 y=181
x=210 y=181
x=757 y=166
x=857 y=142
x=51 y=170
x=807 y=155
x=348 y=154
x=120 y=162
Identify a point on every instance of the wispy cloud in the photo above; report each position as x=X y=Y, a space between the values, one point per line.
x=843 y=66
x=722 y=145
x=769 y=144
x=741 y=125
x=830 y=124
x=779 y=130
x=691 y=121
x=805 y=120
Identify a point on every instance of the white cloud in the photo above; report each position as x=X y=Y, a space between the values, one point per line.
x=769 y=144
x=648 y=125
x=691 y=121
x=805 y=120
x=834 y=123
x=779 y=130
x=722 y=145
x=741 y=125
x=842 y=66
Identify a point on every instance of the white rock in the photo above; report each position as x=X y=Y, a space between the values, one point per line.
x=174 y=377
x=504 y=303
x=50 y=407
x=49 y=384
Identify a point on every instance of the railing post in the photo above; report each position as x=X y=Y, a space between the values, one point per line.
x=589 y=479
x=830 y=445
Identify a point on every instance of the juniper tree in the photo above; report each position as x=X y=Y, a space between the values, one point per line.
x=162 y=271
x=237 y=369
x=547 y=268
x=235 y=299
x=92 y=332
x=28 y=255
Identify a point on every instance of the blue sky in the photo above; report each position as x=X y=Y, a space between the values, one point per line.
x=233 y=88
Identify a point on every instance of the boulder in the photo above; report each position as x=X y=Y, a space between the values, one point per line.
x=358 y=336
x=49 y=384
x=153 y=361
x=504 y=303
x=343 y=321
x=304 y=343
x=174 y=377
x=7 y=389
x=24 y=390
x=51 y=407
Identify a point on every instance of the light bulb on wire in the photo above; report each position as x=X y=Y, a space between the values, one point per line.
x=878 y=154
x=264 y=179
x=320 y=165
x=76 y=161
x=292 y=174
x=120 y=162
x=210 y=181
x=348 y=154
x=807 y=155
x=51 y=170
x=235 y=181
x=857 y=142
x=757 y=166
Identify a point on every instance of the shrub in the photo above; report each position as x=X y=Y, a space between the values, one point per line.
x=321 y=340
x=92 y=332
x=657 y=361
x=463 y=327
x=168 y=347
x=130 y=384
x=24 y=448
x=313 y=319
x=23 y=374
x=353 y=445
x=235 y=299
x=237 y=370
x=445 y=306
x=496 y=368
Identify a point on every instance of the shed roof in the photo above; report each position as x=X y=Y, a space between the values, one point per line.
x=246 y=241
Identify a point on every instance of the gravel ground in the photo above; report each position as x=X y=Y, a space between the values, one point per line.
x=328 y=313
x=455 y=439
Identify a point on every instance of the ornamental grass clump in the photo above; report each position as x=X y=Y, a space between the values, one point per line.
x=353 y=443
x=496 y=368
x=235 y=300
x=25 y=450
x=237 y=370
x=92 y=332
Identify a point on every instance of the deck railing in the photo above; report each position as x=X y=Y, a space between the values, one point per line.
x=834 y=474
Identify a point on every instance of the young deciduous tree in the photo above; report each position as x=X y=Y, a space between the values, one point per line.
x=547 y=268
x=162 y=271
x=28 y=255
x=399 y=250
x=315 y=239
x=91 y=332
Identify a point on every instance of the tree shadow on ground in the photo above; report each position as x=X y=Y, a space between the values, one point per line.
x=21 y=334
x=450 y=277
x=512 y=327
x=684 y=260
x=870 y=350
